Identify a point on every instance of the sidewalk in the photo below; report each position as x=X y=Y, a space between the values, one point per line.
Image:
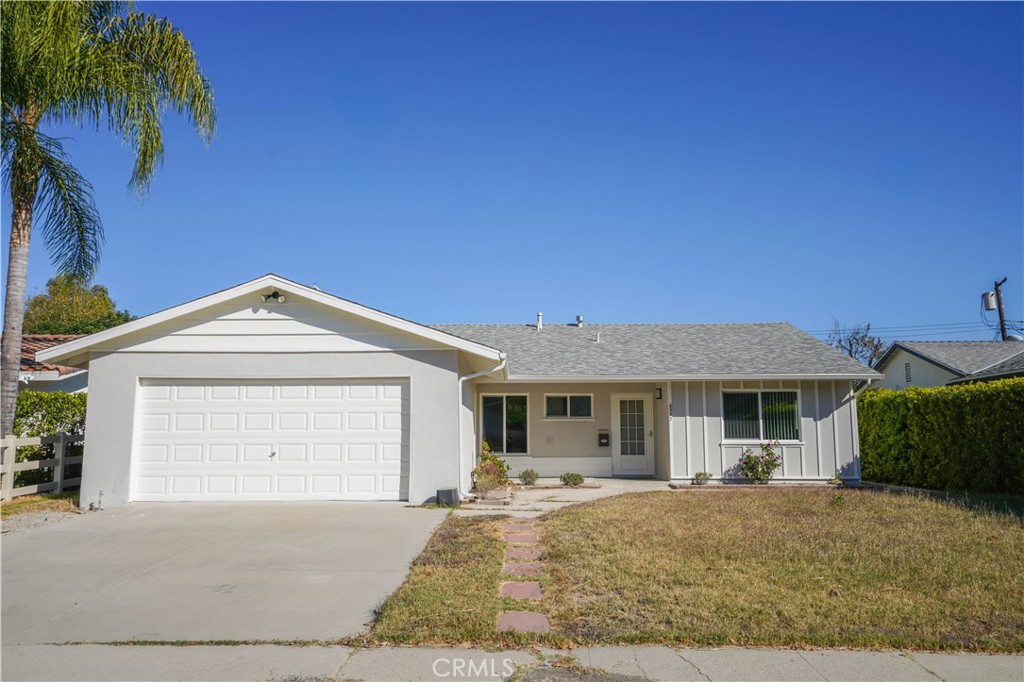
x=606 y=664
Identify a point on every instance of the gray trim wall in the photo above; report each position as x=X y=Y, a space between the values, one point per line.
x=828 y=430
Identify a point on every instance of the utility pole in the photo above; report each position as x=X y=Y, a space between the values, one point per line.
x=999 y=306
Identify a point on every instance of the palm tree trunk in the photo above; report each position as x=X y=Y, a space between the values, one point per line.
x=14 y=304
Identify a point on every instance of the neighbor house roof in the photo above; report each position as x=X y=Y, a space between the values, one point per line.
x=653 y=351
x=1013 y=366
x=33 y=343
x=959 y=357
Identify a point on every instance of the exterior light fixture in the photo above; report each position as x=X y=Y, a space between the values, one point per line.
x=274 y=296
x=657 y=393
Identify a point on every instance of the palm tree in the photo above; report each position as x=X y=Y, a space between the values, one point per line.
x=88 y=64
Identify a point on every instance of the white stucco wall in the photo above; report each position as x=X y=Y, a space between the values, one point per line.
x=922 y=372
x=828 y=432
x=114 y=383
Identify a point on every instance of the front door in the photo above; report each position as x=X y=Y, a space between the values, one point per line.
x=632 y=435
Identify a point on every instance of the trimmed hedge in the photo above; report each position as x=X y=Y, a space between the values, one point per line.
x=968 y=437
x=47 y=414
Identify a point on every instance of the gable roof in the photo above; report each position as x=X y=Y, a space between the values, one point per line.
x=660 y=351
x=33 y=343
x=260 y=285
x=958 y=357
x=1012 y=366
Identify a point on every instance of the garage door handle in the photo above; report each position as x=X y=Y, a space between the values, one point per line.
x=272 y=454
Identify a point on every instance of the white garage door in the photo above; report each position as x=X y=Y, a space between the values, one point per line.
x=282 y=440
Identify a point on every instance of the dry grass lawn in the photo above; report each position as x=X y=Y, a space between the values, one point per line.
x=37 y=503
x=772 y=567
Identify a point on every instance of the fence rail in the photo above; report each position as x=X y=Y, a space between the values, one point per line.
x=9 y=465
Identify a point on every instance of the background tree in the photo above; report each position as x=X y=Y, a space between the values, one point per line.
x=88 y=64
x=70 y=307
x=857 y=342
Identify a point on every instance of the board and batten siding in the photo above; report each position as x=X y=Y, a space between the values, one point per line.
x=828 y=430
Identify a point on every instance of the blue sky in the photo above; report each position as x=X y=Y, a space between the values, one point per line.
x=631 y=162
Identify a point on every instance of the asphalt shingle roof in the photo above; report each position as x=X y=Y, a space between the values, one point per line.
x=965 y=357
x=1010 y=367
x=650 y=350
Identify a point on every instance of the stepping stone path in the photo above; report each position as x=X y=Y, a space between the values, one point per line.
x=521 y=559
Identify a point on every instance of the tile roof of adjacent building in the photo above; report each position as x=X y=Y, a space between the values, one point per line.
x=33 y=343
x=662 y=350
x=1012 y=366
x=961 y=357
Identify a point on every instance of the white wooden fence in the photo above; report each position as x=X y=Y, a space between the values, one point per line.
x=9 y=466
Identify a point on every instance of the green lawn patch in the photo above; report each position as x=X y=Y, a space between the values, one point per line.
x=753 y=567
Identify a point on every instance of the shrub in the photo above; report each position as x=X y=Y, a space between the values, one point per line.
x=701 y=477
x=529 y=476
x=571 y=479
x=47 y=414
x=967 y=437
x=491 y=465
x=485 y=483
x=761 y=467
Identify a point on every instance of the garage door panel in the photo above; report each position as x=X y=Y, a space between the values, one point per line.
x=256 y=440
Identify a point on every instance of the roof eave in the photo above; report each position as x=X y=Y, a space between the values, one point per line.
x=84 y=344
x=609 y=378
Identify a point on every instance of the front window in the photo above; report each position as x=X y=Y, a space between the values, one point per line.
x=761 y=415
x=504 y=423
x=568 y=407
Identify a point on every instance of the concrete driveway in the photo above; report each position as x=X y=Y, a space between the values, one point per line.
x=240 y=571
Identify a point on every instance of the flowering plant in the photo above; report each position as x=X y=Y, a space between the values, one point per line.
x=761 y=467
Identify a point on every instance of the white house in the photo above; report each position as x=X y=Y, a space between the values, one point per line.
x=272 y=390
x=937 y=363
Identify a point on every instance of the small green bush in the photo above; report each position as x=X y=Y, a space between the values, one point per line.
x=701 y=477
x=760 y=468
x=491 y=465
x=967 y=437
x=529 y=476
x=573 y=480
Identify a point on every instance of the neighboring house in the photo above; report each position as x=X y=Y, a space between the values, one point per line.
x=46 y=377
x=272 y=390
x=937 y=363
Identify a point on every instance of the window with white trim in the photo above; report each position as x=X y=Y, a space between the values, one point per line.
x=580 y=406
x=761 y=415
x=503 y=423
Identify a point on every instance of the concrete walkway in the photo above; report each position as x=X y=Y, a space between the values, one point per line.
x=606 y=664
x=549 y=494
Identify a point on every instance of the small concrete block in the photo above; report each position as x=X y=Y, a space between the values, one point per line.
x=851 y=666
x=518 y=527
x=522 y=553
x=531 y=568
x=969 y=667
x=521 y=538
x=521 y=590
x=753 y=665
x=523 y=621
x=645 y=662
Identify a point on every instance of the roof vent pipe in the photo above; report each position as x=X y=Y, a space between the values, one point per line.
x=540 y=321
x=579 y=320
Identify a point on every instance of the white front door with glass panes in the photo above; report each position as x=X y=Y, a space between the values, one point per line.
x=632 y=435
x=504 y=423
